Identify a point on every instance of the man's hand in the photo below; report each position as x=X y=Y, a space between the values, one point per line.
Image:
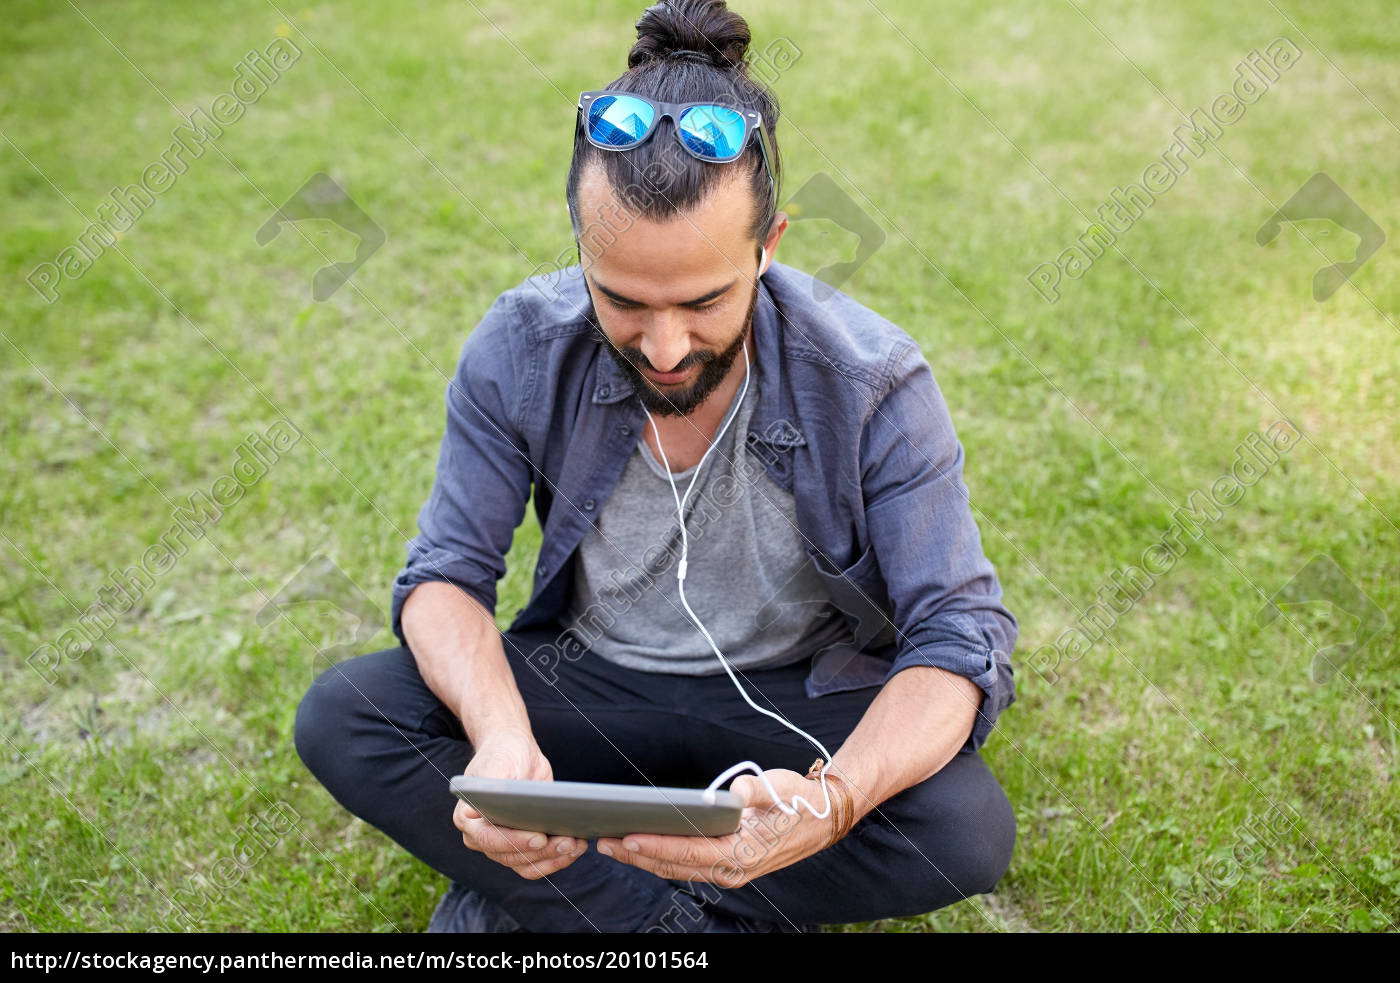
x=512 y=754
x=767 y=839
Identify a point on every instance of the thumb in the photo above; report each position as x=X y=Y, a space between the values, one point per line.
x=752 y=791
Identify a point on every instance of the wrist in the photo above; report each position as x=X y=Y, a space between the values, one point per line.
x=499 y=720
x=842 y=812
x=509 y=754
x=867 y=790
x=501 y=735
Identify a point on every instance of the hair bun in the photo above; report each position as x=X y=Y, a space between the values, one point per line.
x=706 y=26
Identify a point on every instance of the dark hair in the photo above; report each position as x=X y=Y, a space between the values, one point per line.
x=659 y=180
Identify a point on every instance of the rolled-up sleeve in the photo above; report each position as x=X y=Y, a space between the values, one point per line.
x=944 y=593
x=483 y=477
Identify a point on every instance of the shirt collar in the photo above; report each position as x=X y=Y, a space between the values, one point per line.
x=770 y=422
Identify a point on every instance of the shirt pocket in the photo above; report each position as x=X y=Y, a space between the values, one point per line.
x=858 y=592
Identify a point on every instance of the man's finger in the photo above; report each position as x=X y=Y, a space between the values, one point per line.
x=516 y=860
x=669 y=856
x=663 y=868
x=688 y=851
x=751 y=790
x=512 y=847
x=543 y=868
x=503 y=839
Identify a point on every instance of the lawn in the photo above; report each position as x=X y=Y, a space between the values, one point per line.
x=1176 y=402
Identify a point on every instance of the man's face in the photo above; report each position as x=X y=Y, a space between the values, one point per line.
x=674 y=300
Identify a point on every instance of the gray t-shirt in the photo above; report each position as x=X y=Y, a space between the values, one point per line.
x=748 y=577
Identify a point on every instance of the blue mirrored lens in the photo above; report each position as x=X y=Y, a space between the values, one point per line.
x=619 y=120
x=715 y=132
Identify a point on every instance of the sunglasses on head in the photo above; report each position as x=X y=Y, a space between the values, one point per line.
x=707 y=130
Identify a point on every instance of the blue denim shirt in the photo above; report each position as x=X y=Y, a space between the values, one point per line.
x=849 y=419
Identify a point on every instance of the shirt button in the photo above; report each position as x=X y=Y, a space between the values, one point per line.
x=543 y=568
x=605 y=391
x=589 y=505
x=626 y=430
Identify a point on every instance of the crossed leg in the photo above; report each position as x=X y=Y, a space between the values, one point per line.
x=385 y=747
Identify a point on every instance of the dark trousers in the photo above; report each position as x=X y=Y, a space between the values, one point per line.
x=385 y=747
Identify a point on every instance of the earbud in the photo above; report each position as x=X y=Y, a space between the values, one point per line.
x=764 y=260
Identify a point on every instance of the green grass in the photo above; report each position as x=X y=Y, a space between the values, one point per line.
x=1136 y=777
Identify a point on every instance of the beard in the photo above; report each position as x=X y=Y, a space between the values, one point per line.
x=714 y=366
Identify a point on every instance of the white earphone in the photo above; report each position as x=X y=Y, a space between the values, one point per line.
x=729 y=773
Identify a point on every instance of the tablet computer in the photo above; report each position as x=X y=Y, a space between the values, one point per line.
x=590 y=809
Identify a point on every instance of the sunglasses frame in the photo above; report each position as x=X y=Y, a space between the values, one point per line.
x=752 y=121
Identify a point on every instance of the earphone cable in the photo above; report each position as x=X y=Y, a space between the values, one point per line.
x=680 y=584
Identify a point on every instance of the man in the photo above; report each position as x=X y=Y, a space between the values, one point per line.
x=832 y=556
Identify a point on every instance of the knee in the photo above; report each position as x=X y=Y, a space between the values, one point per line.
x=327 y=715
x=962 y=823
x=980 y=821
x=317 y=717
x=987 y=844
